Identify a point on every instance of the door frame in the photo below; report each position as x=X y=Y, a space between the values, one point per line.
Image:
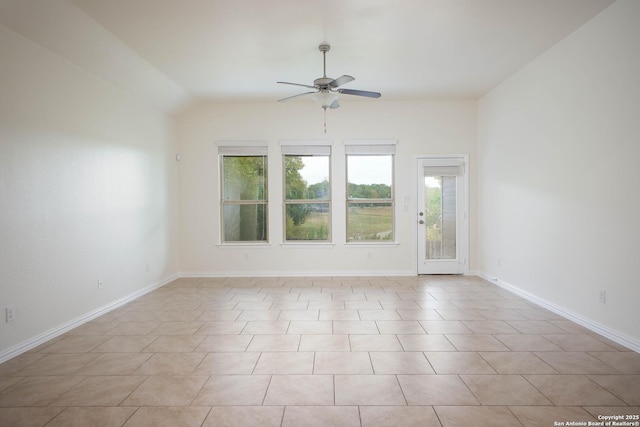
x=462 y=221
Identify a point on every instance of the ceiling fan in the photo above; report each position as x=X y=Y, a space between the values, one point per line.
x=326 y=88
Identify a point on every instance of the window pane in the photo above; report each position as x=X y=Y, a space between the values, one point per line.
x=306 y=177
x=244 y=177
x=244 y=223
x=307 y=221
x=370 y=221
x=440 y=218
x=369 y=177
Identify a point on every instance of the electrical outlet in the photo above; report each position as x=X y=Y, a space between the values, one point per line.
x=603 y=296
x=146 y=267
x=10 y=313
x=100 y=283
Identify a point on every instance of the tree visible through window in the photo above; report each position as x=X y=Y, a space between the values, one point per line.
x=244 y=198
x=307 y=196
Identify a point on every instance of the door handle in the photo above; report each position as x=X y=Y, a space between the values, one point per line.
x=421 y=222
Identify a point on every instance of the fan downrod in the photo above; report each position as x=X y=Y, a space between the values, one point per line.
x=323 y=82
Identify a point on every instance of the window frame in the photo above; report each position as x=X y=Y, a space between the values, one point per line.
x=371 y=148
x=245 y=149
x=306 y=149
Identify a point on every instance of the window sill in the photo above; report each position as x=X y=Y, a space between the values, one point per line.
x=244 y=245
x=308 y=245
x=371 y=244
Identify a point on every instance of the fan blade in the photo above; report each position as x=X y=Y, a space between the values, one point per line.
x=296 y=84
x=334 y=105
x=295 y=96
x=341 y=81
x=360 y=93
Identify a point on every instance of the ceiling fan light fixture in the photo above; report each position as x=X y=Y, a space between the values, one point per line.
x=325 y=98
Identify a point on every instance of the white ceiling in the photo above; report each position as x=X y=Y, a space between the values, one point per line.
x=406 y=49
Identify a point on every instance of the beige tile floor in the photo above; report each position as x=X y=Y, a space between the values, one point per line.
x=369 y=351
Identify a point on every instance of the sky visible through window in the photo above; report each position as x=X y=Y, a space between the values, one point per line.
x=362 y=169
x=370 y=170
x=432 y=181
x=315 y=169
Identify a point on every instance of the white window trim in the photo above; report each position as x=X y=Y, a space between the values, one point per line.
x=371 y=244
x=240 y=144
x=307 y=244
x=305 y=142
x=240 y=245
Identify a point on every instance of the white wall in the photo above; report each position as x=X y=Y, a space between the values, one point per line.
x=418 y=127
x=558 y=198
x=87 y=185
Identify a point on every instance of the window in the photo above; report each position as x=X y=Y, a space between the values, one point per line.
x=307 y=192
x=243 y=193
x=370 y=200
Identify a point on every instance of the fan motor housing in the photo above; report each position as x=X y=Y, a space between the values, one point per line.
x=322 y=82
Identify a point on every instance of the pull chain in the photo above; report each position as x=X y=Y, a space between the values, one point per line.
x=325 y=120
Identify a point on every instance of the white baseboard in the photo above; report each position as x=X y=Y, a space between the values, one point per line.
x=305 y=273
x=27 y=345
x=605 y=331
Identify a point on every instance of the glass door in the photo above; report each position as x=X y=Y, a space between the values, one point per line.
x=442 y=230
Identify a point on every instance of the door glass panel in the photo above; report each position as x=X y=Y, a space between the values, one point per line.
x=440 y=217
